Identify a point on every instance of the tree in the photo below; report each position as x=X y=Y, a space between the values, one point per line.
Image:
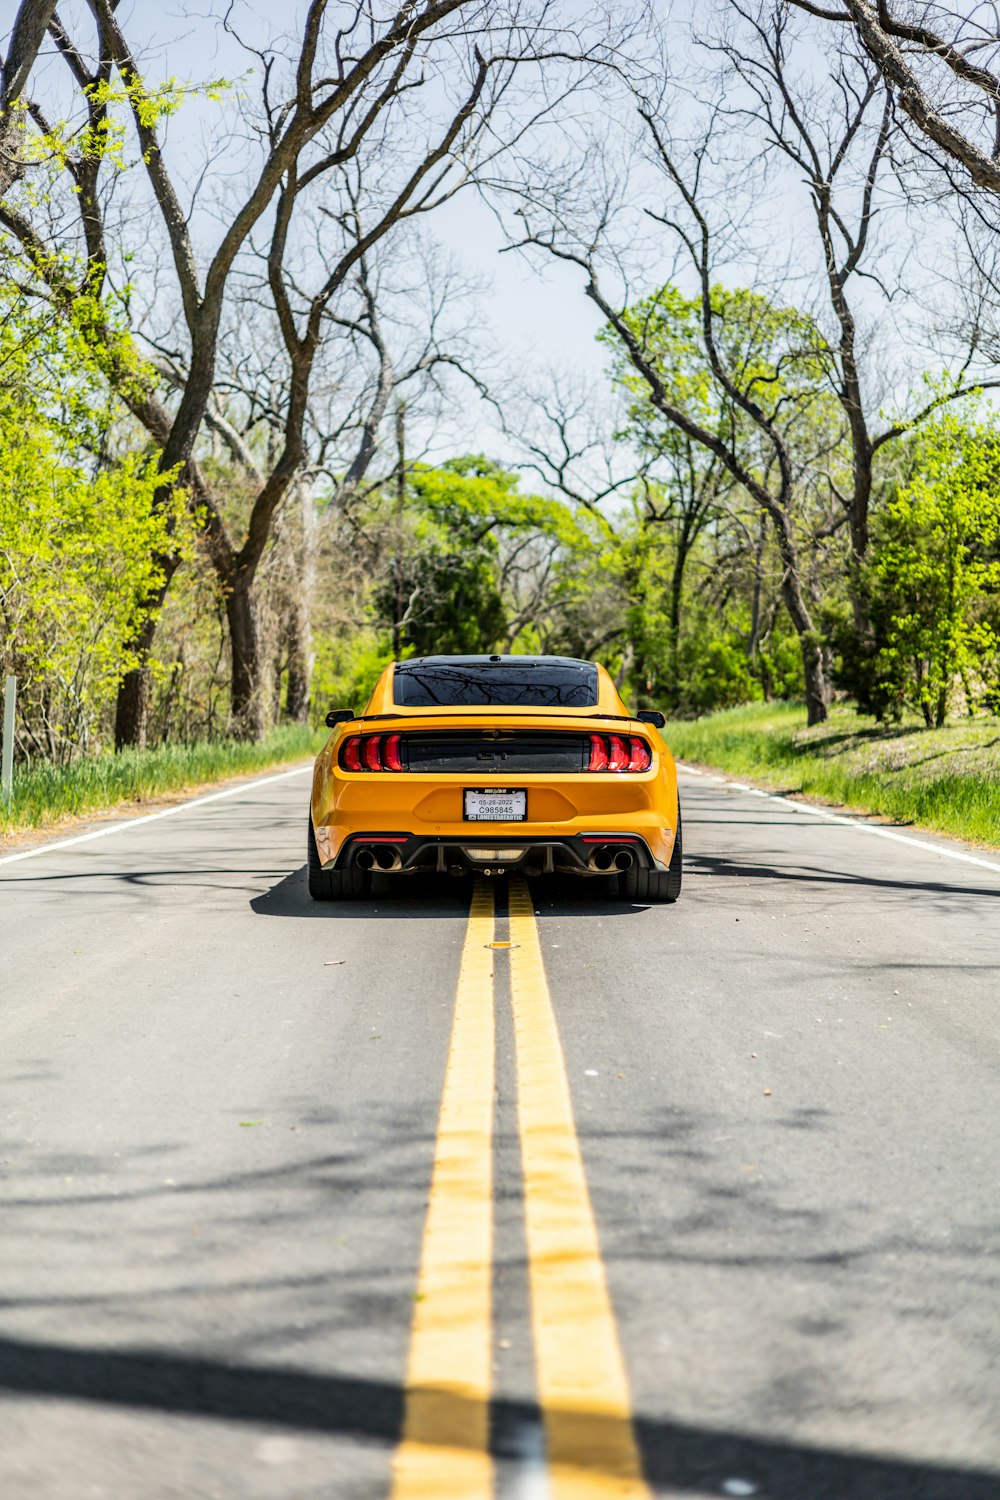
x=79 y=538
x=837 y=135
x=353 y=100
x=936 y=566
x=747 y=378
x=451 y=575
x=942 y=65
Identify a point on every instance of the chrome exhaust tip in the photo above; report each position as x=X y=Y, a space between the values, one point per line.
x=387 y=859
x=364 y=859
x=602 y=858
x=623 y=860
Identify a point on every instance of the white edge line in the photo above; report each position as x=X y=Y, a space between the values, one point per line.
x=886 y=833
x=166 y=812
x=879 y=833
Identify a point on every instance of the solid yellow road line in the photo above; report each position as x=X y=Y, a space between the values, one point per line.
x=444 y=1453
x=582 y=1385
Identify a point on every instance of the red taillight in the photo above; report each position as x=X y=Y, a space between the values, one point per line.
x=598 y=753
x=620 y=754
x=372 y=752
x=640 y=759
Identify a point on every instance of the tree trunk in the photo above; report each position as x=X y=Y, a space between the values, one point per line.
x=399 y=602
x=23 y=45
x=297 y=694
x=676 y=595
x=753 y=644
x=817 y=684
x=810 y=641
x=941 y=707
x=811 y=646
x=132 y=710
x=132 y=706
x=300 y=652
x=248 y=697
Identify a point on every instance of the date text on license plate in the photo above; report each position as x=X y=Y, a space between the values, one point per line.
x=496 y=805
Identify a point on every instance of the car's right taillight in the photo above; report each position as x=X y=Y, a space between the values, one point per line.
x=640 y=757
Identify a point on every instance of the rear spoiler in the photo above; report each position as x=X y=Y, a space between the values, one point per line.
x=498 y=711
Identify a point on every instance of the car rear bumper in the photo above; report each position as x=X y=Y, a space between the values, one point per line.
x=566 y=815
x=603 y=853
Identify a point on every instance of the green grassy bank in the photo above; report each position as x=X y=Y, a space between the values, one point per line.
x=947 y=779
x=45 y=794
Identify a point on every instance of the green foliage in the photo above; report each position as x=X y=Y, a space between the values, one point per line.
x=472 y=497
x=441 y=584
x=715 y=674
x=450 y=602
x=104 y=135
x=347 y=668
x=775 y=357
x=780 y=666
x=935 y=570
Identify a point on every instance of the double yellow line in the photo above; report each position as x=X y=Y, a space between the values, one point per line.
x=582 y=1386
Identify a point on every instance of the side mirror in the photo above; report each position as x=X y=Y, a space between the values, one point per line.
x=651 y=716
x=338 y=716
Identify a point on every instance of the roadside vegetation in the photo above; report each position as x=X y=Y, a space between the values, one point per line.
x=946 y=779
x=46 y=794
x=230 y=347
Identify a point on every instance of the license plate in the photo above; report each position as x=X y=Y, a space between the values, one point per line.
x=495 y=805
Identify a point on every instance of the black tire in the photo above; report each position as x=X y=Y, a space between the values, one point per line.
x=655 y=885
x=350 y=884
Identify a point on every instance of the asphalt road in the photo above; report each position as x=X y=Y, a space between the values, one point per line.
x=220 y=1109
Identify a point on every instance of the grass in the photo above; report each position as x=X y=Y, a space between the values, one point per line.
x=946 y=779
x=45 y=794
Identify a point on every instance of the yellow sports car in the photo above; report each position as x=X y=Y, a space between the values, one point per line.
x=494 y=764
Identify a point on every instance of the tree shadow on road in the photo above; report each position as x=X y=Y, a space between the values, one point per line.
x=346 y=1173
x=723 y=866
x=407 y=896
x=677 y=1457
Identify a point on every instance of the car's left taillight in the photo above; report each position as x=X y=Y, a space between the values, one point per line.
x=372 y=752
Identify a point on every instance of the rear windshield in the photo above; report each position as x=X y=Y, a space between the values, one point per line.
x=421 y=684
